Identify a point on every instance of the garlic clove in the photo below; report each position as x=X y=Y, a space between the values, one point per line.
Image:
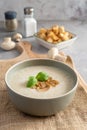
x=17 y=37
x=53 y=52
x=7 y=44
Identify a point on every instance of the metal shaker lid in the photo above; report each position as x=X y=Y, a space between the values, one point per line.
x=28 y=10
x=10 y=15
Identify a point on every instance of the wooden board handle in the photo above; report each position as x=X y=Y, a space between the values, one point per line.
x=28 y=49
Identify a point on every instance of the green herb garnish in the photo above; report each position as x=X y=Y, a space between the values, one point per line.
x=42 y=76
x=32 y=81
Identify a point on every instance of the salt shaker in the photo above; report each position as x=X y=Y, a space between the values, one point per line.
x=11 y=22
x=30 y=23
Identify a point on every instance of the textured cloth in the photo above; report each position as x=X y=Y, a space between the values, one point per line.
x=74 y=117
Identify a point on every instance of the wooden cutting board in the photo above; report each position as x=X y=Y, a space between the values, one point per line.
x=25 y=52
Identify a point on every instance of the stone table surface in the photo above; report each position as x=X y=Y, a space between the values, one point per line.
x=78 y=50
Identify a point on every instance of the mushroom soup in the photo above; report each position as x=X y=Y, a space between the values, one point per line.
x=18 y=79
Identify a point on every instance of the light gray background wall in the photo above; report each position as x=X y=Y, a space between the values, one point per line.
x=47 y=9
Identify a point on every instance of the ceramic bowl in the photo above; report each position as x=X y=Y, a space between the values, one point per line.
x=60 y=45
x=37 y=103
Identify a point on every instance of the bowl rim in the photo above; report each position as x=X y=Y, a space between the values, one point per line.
x=13 y=66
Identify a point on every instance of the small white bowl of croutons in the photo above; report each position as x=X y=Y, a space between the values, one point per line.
x=55 y=36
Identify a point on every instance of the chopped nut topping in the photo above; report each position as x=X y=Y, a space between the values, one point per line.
x=45 y=85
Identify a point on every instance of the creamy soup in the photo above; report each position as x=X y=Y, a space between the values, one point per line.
x=19 y=79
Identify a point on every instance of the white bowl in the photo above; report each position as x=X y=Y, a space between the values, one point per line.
x=41 y=103
x=60 y=45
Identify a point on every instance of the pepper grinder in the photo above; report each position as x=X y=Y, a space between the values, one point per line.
x=11 y=22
